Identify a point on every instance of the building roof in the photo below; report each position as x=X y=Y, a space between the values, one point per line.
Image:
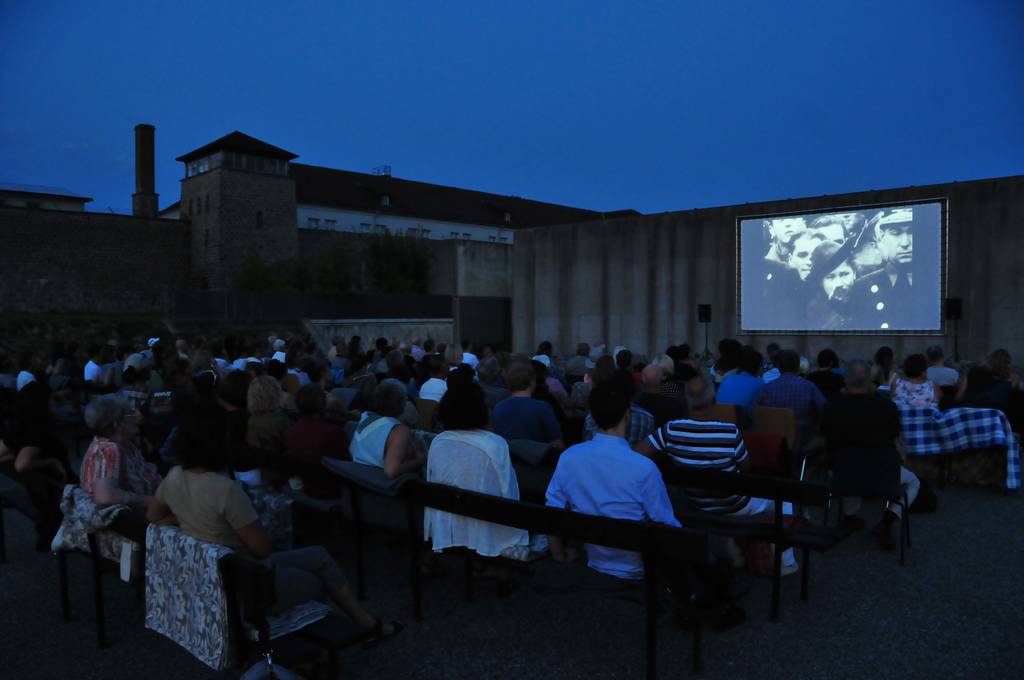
x=241 y=142
x=359 y=191
x=40 y=190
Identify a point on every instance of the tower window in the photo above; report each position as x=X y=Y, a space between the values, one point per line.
x=385 y=200
x=508 y=218
x=313 y=221
x=206 y=203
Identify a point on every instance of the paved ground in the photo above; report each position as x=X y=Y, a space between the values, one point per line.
x=955 y=611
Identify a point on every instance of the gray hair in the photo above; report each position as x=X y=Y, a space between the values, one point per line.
x=700 y=393
x=389 y=398
x=858 y=374
x=488 y=370
x=102 y=413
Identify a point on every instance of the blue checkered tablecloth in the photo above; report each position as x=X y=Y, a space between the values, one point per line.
x=930 y=432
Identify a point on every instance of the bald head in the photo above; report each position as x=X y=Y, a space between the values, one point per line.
x=700 y=393
x=652 y=377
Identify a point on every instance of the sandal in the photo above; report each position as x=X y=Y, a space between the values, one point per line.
x=376 y=634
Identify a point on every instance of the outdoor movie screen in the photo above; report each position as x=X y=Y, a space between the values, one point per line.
x=872 y=270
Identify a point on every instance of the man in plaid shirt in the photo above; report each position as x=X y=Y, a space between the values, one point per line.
x=791 y=391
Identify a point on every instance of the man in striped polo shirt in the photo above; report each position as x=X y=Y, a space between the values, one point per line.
x=703 y=441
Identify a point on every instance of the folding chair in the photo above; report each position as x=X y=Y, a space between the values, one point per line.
x=872 y=473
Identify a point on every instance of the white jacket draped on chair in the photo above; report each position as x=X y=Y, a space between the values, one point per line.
x=475 y=460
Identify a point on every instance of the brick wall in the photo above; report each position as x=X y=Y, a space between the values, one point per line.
x=55 y=261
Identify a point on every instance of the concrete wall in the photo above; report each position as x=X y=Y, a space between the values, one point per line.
x=457 y=267
x=53 y=261
x=638 y=281
x=404 y=330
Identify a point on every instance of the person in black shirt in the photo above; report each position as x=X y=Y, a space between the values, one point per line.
x=828 y=381
x=862 y=419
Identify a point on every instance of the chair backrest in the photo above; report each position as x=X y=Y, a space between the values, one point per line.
x=756 y=486
x=767 y=451
x=726 y=413
x=367 y=476
x=871 y=473
x=644 y=537
x=780 y=421
x=426 y=408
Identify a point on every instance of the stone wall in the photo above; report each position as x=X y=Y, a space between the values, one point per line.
x=637 y=281
x=457 y=267
x=55 y=261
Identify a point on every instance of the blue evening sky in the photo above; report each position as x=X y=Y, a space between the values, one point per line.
x=650 y=105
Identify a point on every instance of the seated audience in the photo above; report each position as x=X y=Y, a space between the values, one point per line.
x=729 y=353
x=312 y=438
x=827 y=377
x=641 y=422
x=362 y=379
x=468 y=357
x=381 y=439
x=578 y=365
x=769 y=371
x=601 y=372
x=267 y=419
x=943 y=376
x=862 y=419
x=743 y=387
x=489 y=373
x=669 y=386
x=881 y=370
x=604 y=477
x=435 y=386
x=30 y=454
x=134 y=377
x=915 y=389
x=662 y=407
x=211 y=507
x=467 y=456
x=520 y=416
x=702 y=441
x=789 y=390
x=113 y=470
x=545 y=377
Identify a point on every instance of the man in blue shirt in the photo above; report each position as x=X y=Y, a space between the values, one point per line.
x=520 y=416
x=743 y=387
x=605 y=477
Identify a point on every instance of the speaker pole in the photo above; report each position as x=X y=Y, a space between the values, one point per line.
x=956 y=341
x=707 y=351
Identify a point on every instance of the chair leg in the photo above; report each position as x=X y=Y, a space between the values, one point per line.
x=697 y=635
x=805 y=575
x=414 y=562
x=97 y=593
x=651 y=601
x=776 y=581
x=357 y=532
x=906 y=517
x=3 y=536
x=469 y=575
x=62 y=576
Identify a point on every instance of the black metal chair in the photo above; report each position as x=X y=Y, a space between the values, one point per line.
x=872 y=473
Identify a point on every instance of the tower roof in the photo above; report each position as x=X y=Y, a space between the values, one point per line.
x=241 y=142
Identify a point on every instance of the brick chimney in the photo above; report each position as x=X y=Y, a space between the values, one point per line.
x=144 y=200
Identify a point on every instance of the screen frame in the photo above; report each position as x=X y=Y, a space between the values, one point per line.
x=943 y=202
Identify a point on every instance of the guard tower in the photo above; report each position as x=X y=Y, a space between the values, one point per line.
x=240 y=201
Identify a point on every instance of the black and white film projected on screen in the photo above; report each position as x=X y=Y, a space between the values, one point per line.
x=873 y=270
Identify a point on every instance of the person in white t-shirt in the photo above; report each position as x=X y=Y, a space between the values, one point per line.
x=434 y=388
x=93 y=373
x=938 y=372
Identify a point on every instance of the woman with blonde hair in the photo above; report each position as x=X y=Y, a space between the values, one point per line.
x=267 y=419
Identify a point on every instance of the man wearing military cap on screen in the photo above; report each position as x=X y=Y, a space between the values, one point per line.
x=885 y=299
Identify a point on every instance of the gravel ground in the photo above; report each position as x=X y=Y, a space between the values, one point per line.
x=955 y=611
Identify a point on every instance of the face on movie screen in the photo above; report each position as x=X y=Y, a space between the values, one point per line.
x=875 y=270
